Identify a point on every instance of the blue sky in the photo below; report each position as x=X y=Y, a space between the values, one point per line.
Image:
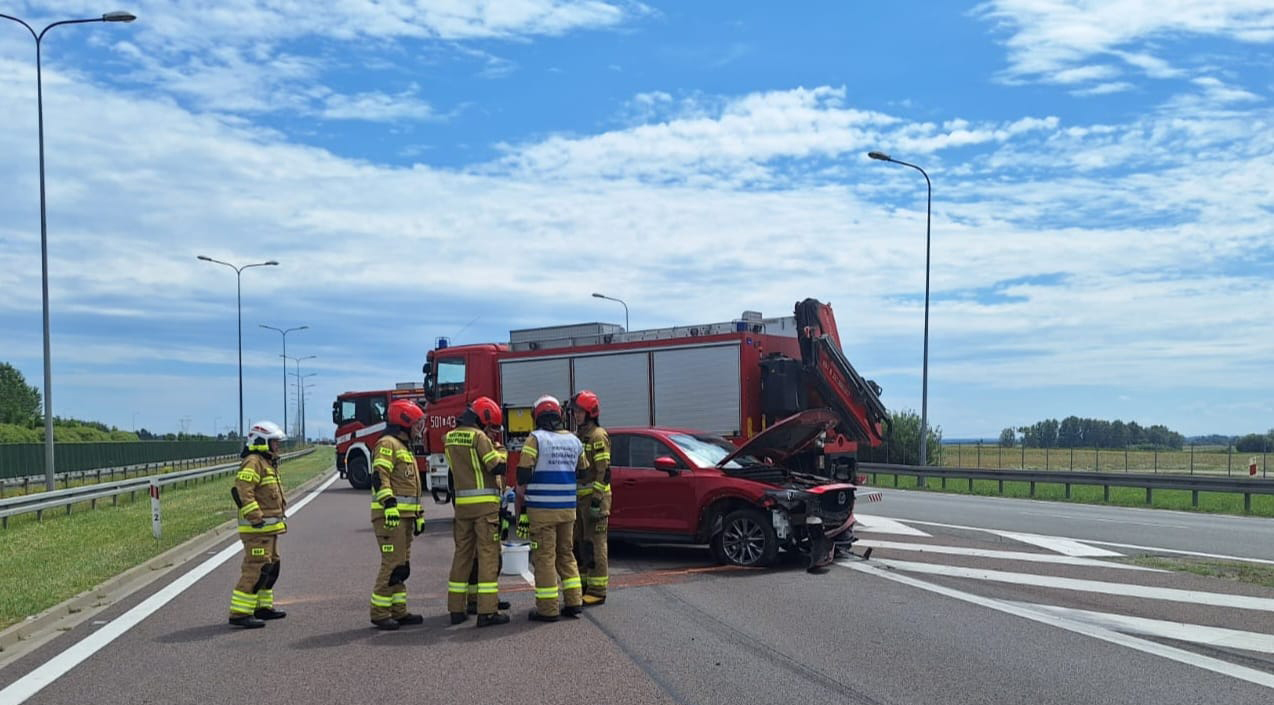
x=1102 y=230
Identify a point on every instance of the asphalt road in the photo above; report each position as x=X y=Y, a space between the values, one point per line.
x=1189 y=531
x=677 y=630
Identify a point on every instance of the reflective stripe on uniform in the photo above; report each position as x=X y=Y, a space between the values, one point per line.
x=471 y=589
x=529 y=453
x=571 y=583
x=548 y=593
x=243 y=602
x=459 y=588
x=598 y=580
x=478 y=496
x=384 y=492
x=385 y=451
x=600 y=457
x=583 y=490
x=269 y=480
x=405 y=456
x=493 y=455
x=488 y=588
x=382 y=600
x=248 y=508
x=271 y=524
x=265 y=598
x=601 y=486
x=248 y=475
x=400 y=598
x=383 y=463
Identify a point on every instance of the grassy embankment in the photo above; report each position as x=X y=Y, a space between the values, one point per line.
x=44 y=563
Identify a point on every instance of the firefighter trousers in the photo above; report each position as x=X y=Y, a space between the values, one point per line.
x=590 y=543
x=476 y=539
x=552 y=557
x=255 y=589
x=389 y=595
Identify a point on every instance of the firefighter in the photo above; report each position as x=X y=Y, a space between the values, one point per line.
x=551 y=463
x=593 y=498
x=474 y=460
x=262 y=510
x=471 y=607
x=397 y=514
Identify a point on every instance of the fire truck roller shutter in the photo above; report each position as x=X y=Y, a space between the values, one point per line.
x=622 y=382
x=698 y=388
x=524 y=381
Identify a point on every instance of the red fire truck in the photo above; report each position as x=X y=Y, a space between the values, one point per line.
x=360 y=421
x=734 y=378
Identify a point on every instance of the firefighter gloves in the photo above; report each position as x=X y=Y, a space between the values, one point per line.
x=420 y=525
x=391 y=517
x=524 y=527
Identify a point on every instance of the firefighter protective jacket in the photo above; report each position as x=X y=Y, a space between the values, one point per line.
x=259 y=495
x=597 y=451
x=475 y=463
x=395 y=476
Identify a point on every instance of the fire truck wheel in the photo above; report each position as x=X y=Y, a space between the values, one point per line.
x=356 y=471
x=746 y=539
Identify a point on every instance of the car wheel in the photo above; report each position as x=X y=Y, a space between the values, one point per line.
x=356 y=472
x=746 y=539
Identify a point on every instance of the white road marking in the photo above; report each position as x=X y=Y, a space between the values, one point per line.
x=35 y=681
x=1217 y=599
x=881 y=525
x=1000 y=555
x=1195 y=633
x=1220 y=556
x=1190 y=658
x=1064 y=546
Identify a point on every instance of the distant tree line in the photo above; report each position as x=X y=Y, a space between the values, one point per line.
x=1076 y=432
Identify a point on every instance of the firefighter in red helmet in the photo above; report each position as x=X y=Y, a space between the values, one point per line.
x=397 y=514
x=474 y=464
x=594 y=498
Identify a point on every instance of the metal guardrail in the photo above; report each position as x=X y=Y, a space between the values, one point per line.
x=1193 y=483
x=95 y=475
x=41 y=502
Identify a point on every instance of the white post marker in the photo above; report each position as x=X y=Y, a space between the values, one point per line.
x=156 y=525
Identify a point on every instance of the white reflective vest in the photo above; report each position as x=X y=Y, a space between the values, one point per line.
x=552 y=484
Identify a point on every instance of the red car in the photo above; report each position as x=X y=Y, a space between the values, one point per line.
x=746 y=503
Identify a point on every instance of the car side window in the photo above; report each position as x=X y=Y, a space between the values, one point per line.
x=642 y=451
x=619 y=451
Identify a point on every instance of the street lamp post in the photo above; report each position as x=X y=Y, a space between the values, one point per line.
x=238 y=276
x=44 y=229
x=298 y=360
x=611 y=298
x=285 y=365
x=924 y=393
x=301 y=387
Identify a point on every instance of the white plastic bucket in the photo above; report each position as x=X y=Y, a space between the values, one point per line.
x=517 y=557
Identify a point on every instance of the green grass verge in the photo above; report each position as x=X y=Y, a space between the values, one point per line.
x=1209 y=502
x=46 y=562
x=1253 y=573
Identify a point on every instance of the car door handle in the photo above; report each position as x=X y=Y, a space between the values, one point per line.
x=628 y=482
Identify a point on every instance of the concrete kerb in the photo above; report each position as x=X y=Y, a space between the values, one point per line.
x=37 y=630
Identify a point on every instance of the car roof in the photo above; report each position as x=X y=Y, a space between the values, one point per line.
x=659 y=430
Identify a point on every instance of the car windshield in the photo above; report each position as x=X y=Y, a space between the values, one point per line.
x=707 y=451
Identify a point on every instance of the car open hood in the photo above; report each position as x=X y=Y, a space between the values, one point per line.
x=787 y=436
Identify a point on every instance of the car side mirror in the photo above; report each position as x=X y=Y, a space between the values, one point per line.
x=667 y=464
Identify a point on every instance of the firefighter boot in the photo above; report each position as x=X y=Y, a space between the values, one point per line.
x=572 y=611
x=472 y=607
x=269 y=613
x=537 y=617
x=490 y=620
x=246 y=621
x=458 y=617
x=593 y=600
x=386 y=625
x=410 y=620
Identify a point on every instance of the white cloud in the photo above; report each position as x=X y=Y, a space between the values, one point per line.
x=1051 y=38
x=377 y=107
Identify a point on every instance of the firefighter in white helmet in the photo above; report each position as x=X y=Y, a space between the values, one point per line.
x=551 y=463
x=262 y=510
